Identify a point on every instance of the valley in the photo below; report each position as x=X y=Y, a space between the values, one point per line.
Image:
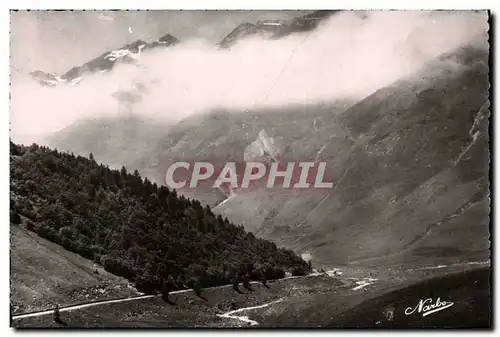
x=394 y=110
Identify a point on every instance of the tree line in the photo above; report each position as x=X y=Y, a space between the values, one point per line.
x=134 y=228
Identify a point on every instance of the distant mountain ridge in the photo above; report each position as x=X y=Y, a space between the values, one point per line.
x=129 y=53
x=105 y=62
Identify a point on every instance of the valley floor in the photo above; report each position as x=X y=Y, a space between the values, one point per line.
x=317 y=300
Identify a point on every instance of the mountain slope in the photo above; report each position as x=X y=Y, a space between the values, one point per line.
x=419 y=158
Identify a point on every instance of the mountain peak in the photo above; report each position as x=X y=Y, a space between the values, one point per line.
x=275 y=28
x=168 y=39
x=105 y=62
x=135 y=46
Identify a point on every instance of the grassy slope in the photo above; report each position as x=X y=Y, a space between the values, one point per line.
x=43 y=274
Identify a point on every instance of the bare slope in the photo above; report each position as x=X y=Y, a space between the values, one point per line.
x=43 y=274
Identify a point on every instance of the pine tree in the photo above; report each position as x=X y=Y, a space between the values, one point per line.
x=197 y=287
x=57 y=317
x=235 y=283
x=165 y=290
x=246 y=282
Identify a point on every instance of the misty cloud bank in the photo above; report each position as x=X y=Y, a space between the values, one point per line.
x=348 y=57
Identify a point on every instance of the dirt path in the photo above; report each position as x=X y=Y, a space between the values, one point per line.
x=245 y=319
x=118 y=300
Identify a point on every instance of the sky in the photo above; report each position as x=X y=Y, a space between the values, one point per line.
x=348 y=57
x=55 y=41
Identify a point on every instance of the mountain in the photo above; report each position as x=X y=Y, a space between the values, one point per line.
x=105 y=62
x=409 y=165
x=46 y=79
x=275 y=29
x=410 y=172
x=135 y=229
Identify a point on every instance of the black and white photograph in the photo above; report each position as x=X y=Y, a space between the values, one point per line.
x=250 y=169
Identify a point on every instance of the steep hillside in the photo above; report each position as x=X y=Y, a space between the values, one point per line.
x=134 y=228
x=44 y=273
x=413 y=164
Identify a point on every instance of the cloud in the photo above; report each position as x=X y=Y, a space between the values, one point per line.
x=348 y=57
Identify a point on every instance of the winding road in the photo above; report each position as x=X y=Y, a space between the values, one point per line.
x=361 y=283
x=119 y=300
